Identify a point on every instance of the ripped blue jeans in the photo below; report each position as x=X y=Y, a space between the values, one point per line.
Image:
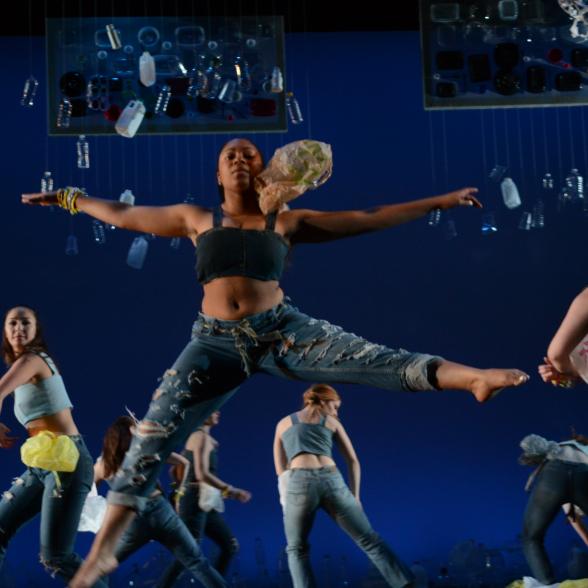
x=222 y=354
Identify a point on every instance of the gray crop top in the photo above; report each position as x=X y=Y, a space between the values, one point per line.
x=46 y=397
x=313 y=438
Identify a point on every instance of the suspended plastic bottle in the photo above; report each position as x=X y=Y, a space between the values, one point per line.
x=538 y=215
x=243 y=74
x=277 y=81
x=175 y=243
x=489 y=226
x=130 y=119
x=71 y=245
x=213 y=82
x=83 y=151
x=229 y=92
x=138 y=252
x=293 y=109
x=575 y=183
x=147 y=73
x=547 y=182
x=47 y=182
x=510 y=193
x=29 y=91
x=449 y=229
x=526 y=221
x=497 y=173
x=64 y=113
x=99 y=232
x=434 y=217
x=127 y=197
x=162 y=100
x=113 y=36
x=198 y=84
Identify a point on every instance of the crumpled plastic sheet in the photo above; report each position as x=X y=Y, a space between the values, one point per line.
x=293 y=169
x=93 y=512
x=537 y=445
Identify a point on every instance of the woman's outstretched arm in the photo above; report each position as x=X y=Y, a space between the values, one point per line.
x=178 y=220
x=348 y=452
x=312 y=226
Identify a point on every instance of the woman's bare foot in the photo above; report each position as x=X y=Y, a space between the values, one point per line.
x=92 y=570
x=488 y=383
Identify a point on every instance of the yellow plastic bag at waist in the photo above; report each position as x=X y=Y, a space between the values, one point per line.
x=50 y=451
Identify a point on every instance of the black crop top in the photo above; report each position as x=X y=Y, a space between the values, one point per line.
x=230 y=251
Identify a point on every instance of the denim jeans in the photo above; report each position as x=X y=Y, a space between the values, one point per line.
x=35 y=492
x=201 y=523
x=281 y=341
x=311 y=489
x=558 y=482
x=159 y=522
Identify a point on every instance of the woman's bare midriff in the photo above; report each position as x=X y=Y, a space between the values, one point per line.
x=236 y=297
x=60 y=422
x=311 y=461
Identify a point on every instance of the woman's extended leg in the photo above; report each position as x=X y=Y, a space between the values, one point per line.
x=315 y=350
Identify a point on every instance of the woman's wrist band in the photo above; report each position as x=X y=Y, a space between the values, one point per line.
x=67 y=199
x=226 y=491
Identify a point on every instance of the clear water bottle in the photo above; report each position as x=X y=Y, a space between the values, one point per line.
x=243 y=74
x=497 y=173
x=138 y=252
x=147 y=73
x=293 y=109
x=277 y=80
x=538 y=215
x=229 y=92
x=113 y=36
x=526 y=221
x=64 y=113
x=547 y=182
x=99 y=232
x=213 y=82
x=510 y=193
x=489 y=226
x=47 y=182
x=175 y=243
x=71 y=245
x=127 y=197
x=29 y=91
x=83 y=151
x=162 y=100
x=575 y=183
x=434 y=218
x=198 y=85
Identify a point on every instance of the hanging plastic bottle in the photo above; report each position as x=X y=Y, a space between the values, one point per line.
x=526 y=221
x=175 y=243
x=113 y=36
x=510 y=193
x=47 y=182
x=83 y=151
x=575 y=183
x=538 y=215
x=198 y=84
x=71 y=245
x=127 y=197
x=243 y=74
x=229 y=92
x=29 y=91
x=497 y=173
x=147 y=73
x=547 y=182
x=449 y=229
x=64 y=113
x=434 y=218
x=138 y=252
x=293 y=109
x=489 y=226
x=162 y=100
x=99 y=232
x=277 y=81
x=213 y=82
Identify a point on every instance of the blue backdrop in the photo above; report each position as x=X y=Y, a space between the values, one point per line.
x=437 y=467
